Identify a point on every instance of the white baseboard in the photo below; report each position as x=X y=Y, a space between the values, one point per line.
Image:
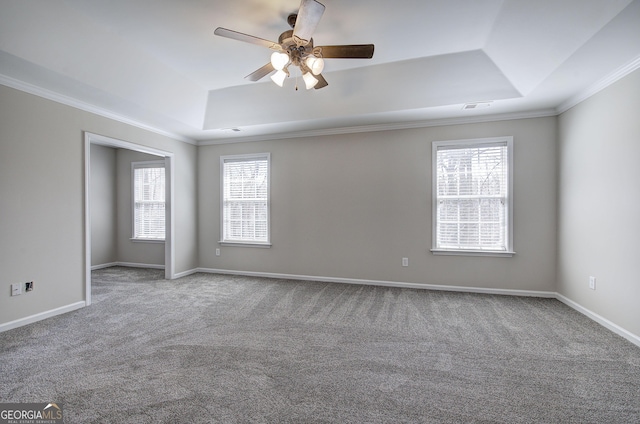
x=101 y=266
x=135 y=265
x=509 y=292
x=185 y=273
x=600 y=319
x=40 y=316
x=128 y=264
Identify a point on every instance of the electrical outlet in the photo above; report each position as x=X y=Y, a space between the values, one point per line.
x=592 y=283
x=405 y=261
x=16 y=289
x=217 y=252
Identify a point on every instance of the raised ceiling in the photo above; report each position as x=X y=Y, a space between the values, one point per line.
x=157 y=63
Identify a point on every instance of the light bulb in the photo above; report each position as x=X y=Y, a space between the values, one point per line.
x=309 y=80
x=316 y=64
x=279 y=60
x=279 y=77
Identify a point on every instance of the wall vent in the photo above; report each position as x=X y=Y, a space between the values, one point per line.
x=476 y=105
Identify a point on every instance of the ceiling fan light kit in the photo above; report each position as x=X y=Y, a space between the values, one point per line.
x=316 y=64
x=309 y=80
x=295 y=47
x=279 y=60
x=279 y=77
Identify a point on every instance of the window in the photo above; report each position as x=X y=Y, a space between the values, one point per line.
x=472 y=197
x=148 y=200
x=245 y=199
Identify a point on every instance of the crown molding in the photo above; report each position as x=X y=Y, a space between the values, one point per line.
x=563 y=107
x=599 y=86
x=386 y=127
x=86 y=107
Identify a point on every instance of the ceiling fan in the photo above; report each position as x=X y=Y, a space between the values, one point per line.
x=295 y=47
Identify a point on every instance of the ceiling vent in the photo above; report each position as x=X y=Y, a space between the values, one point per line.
x=476 y=105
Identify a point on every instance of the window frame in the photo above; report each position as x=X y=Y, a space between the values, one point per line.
x=473 y=143
x=241 y=158
x=141 y=165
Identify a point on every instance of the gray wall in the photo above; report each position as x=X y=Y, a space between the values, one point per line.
x=351 y=206
x=599 y=203
x=42 y=201
x=103 y=206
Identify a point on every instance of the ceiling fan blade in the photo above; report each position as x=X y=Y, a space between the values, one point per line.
x=351 y=51
x=307 y=20
x=261 y=73
x=321 y=82
x=235 y=35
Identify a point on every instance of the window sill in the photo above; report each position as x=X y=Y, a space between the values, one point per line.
x=494 y=253
x=244 y=244
x=143 y=240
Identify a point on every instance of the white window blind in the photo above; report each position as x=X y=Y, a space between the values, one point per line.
x=245 y=199
x=148 y=200
x=472 y=195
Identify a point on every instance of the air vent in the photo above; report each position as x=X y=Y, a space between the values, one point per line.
x=476 y=105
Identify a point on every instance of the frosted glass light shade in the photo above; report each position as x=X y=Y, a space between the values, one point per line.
x=279 y=77
x=279 y=60
x=309 y=80
x=316 y=64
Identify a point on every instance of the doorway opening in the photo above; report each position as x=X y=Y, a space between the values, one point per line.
x=169 y=251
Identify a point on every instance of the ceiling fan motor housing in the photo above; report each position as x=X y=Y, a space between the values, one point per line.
x=296 y=53
x=291 y=19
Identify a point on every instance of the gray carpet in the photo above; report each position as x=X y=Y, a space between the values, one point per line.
x=210 y=348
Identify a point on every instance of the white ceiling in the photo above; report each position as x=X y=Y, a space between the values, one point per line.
x=157 y=63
